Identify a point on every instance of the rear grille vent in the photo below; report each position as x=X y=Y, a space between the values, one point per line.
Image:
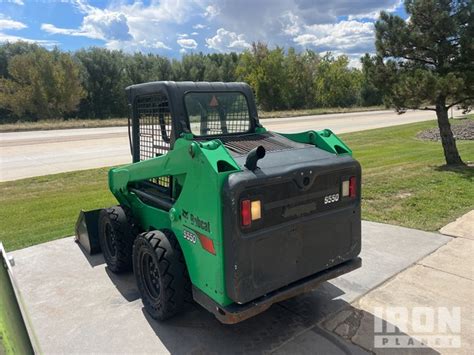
x=271 y=142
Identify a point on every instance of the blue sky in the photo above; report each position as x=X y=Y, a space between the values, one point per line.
x=174 y=27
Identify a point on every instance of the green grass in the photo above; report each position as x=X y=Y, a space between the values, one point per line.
x=403 y=183
x=43 y=208
x=43 y=125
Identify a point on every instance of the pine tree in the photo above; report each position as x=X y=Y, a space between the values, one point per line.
x=427 y=61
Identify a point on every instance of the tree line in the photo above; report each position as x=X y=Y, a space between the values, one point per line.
x=36 y=83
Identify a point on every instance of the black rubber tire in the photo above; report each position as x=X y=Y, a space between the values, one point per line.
x=116 y=237
x=161 y=274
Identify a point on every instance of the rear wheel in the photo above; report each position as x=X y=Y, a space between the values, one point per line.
x=161 y=274
x=116 y=236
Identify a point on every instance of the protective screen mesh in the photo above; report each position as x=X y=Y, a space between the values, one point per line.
x=217 y=113
x=154 y=129
x=154 y=125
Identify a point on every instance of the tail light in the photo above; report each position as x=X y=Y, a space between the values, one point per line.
x=255 y=210
x=246 y=213
x=352 y=187
x=349 y=187
x=250 y=211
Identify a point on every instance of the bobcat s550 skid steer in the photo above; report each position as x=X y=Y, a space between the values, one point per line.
x=219 y=210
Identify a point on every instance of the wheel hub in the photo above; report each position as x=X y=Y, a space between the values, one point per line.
x=150 y=275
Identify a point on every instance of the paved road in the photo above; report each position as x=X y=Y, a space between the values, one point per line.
x=26 y=154
x=81 y=307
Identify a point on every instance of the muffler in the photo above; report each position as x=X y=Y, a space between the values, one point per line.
x=254 y=156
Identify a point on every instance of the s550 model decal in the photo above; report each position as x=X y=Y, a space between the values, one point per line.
x=190 y=236
x=331 y=198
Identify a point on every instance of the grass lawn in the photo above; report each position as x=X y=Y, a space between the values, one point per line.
x=61 y=124
x=43 y=208
x=403 y=179
x=114 y=122
x=403 y=183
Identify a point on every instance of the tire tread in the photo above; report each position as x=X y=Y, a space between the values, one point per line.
x=125 y=230
x=175 y=282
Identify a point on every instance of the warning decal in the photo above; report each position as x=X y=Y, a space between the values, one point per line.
x=214 y=101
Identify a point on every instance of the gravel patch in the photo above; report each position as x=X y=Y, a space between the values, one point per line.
x=463 y=130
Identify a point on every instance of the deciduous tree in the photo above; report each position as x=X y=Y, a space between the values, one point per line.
x=335 y=84
x=41 y=84
x=104 y=75
x=264 y=70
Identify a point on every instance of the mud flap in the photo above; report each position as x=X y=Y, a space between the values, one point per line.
x=87 y=231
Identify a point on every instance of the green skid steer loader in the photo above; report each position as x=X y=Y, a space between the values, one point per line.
x=219 y=210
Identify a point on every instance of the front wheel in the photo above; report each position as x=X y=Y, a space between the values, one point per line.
x=116 y=235
x=160 y=273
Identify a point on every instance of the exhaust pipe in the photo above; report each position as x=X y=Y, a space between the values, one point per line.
x=254 y=155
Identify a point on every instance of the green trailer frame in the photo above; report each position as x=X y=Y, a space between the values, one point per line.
x=16 y=333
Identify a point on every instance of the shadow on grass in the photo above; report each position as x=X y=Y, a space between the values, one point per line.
x=464 y=171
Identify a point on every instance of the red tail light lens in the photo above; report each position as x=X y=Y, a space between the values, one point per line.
x=352 y=187
x=245 y=212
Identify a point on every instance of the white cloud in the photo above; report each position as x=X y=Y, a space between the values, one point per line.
x=290 y=24
x=188 y=43
x=133 y=46
x=109 y=25
x=9 y=24
x=374 y=14
x=370 y=16
x=9 y=38
x=51 y=29
x=225 y=41
x=157 y=24
x=353 y=38
x=125 y=26
x=18 y=2
x=344 y=36
x=97 y=24
x=354 y=62
x=280 y=22
x=211 y=11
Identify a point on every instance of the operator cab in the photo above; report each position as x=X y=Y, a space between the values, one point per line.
x=164 y=111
